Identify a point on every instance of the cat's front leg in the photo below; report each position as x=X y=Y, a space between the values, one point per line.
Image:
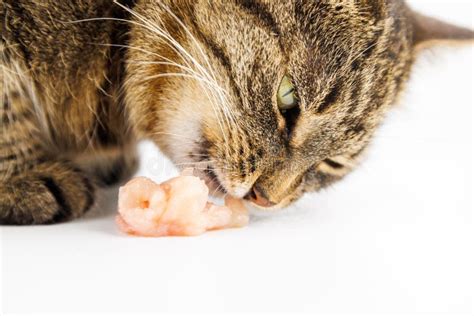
x=35 y=186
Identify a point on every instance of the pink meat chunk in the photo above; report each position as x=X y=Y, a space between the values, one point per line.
x=177 y=207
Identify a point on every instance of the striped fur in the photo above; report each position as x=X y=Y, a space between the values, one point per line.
x=83 y=80
x=63 y=130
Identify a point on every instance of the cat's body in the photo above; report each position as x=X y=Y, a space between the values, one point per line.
x=62 y=109
x=80 y=86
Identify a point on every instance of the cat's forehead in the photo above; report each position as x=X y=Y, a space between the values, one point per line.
x=307 y=29
x=310 y=17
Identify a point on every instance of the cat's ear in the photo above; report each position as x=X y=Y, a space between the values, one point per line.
x=428 y=32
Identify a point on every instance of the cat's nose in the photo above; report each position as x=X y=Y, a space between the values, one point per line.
x=259 y=197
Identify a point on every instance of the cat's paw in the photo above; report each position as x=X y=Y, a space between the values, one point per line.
x=50 y=192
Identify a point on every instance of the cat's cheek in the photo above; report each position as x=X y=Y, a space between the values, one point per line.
x=182 y=122
x=184 y=138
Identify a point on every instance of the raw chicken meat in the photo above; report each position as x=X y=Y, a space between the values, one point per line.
x=177 y=207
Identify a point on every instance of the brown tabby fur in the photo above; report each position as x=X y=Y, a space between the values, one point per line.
x=82 y=81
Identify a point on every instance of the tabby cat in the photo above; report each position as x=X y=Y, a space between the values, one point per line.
x=266 y=99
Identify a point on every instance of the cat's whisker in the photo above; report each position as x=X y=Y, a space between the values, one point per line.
x=171 y=42
x=179 y=139
x=165 y=63
x=219 y=187
x=151 y=27
x=163 y=58
x=212 y=90
x=193 y=155
x=203 y=168
x=200 y=161
x=179 y=49
x=194 y=77
x=191 y=165
x=207 y=163
x=179 y=157
x=177 y=74
x=222 y=96
x=211 y=97
x=202 y=165
x=188 y=70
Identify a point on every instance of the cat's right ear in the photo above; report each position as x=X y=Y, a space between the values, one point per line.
x=429 y=32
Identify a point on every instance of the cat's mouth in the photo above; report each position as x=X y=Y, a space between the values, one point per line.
x=212 y=181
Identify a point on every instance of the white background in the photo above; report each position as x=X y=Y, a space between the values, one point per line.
x=395 y=237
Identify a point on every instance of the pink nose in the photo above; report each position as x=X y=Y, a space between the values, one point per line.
x=258 y=197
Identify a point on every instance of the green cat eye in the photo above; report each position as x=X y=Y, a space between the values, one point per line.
x=286 y=97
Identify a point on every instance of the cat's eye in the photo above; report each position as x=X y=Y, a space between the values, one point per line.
x=286 y=97
x=288 y=104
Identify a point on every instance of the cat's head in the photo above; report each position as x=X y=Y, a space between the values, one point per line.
x=270 y=99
